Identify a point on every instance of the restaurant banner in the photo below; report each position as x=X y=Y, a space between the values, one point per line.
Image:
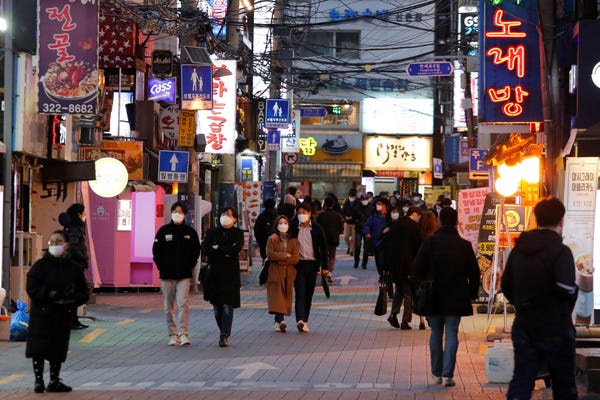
x=581 y=180
x=68 y=57
x=386 y=153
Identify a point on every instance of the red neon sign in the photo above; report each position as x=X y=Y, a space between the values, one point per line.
x=514 y=57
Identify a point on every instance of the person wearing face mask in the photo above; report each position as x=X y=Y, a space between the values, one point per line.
x=333 y=226
x=403 y=241
x=404 y=205
x=56 y=286
x=373 y=230
x=176 y=250
x=361 y=211
x=283 y=252
x=73 y=221
x=222 y=245
x=313 y=261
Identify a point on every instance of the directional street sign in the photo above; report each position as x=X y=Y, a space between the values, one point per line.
x=431 y=68
x=478 y=169
x=309 y=112
x=173 y=166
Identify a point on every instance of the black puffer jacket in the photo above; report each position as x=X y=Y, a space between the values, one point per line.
x=452 y=263
x=539 y=278
x=176 y=250
x=75 y=229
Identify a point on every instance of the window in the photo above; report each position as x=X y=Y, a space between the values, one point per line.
x=333 y=44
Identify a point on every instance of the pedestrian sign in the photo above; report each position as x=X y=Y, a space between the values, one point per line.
x=196 y=87
x=277 y=113
x=173 y=166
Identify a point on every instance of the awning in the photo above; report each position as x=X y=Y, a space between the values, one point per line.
x=328 y=172
x=68 y=171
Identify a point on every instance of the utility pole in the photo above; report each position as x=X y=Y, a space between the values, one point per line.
x=7 y=131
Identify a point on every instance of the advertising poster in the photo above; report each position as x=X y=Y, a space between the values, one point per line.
x=486 y=243
x=581 y=178
x=68 y=57
x=470 y=207
x=129 y=153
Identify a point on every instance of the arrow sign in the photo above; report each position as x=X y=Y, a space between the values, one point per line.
x=173 y=161
x=431 y=68
x=248 y=370
x=345 y=279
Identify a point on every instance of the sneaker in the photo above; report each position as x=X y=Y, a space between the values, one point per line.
x=393 y=320
x=405 y=326
x=437 y=379
x=277 y=326
x=302 y=327
x=184 y=340
x=39 y=386
x=58 y=386
x=174 y=341
x=224 y=341
x=449 y=382
x=282 y=326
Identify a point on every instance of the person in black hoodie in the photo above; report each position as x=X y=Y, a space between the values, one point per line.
x=333 y=226
x=175 y=251
x=539 y=280
x=222 y=245
x=263 y=227
x=73 y=220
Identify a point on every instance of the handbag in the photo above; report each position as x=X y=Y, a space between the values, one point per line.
x=205 y=281
x=423 y=298
x=264 y=273
x=381 y=304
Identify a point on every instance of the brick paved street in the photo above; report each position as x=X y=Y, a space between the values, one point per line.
x=349 y=354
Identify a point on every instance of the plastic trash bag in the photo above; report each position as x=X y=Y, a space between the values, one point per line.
x=19 y=323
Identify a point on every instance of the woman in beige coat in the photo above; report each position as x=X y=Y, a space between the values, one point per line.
x=283 y=253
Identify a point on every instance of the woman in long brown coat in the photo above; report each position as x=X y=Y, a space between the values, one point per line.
x=283 y=253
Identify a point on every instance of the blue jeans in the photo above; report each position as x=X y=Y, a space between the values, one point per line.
x=443 y=358
x=304 y=288
x=224 y=318
x=535 y=343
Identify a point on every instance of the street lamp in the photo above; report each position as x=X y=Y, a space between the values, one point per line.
x=509 y=177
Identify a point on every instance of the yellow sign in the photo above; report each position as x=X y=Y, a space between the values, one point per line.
x=308 y=146
x=187 y=128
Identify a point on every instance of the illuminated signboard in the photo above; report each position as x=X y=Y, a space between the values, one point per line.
x=511 y=87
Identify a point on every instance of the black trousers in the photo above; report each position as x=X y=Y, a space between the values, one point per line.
x=359 y=241
x=304 y=288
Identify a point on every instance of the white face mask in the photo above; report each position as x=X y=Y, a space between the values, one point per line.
x=303 y=218
x=351 y=199
x=56 y=251
x=177 y=218
x=364 y=202
x=379 y=207
x=404 y=210
x=395 y=216
x=226 y=220
x=283 y=228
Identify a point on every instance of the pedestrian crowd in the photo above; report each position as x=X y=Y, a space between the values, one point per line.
x=410 y=244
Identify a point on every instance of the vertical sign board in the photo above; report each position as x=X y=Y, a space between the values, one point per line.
x=581 y=179
x=510 y=88
x=196 y=87
x=68 y=57
x=218 y=124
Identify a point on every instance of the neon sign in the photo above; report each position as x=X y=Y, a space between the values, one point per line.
x=511 y=86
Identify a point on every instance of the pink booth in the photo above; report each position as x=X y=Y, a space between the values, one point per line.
x=122 y=231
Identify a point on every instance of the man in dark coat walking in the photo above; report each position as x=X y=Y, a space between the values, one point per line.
x=449 y=262
x=333 y=225
x=539 y=280
x=263 y=227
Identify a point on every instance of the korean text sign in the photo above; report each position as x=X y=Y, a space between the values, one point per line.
x=68 y=57
x=510 y=90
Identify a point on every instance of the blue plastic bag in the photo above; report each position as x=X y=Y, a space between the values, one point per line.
x=19 y=323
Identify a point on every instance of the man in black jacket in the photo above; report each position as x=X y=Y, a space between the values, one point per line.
x=360 y=213
x=313 y=261
x=176 y=250
x=349 y=232
x=333 y=225
x=263 y=227
x=539 y=280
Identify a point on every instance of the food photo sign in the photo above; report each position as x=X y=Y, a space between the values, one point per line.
x=68 y=57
